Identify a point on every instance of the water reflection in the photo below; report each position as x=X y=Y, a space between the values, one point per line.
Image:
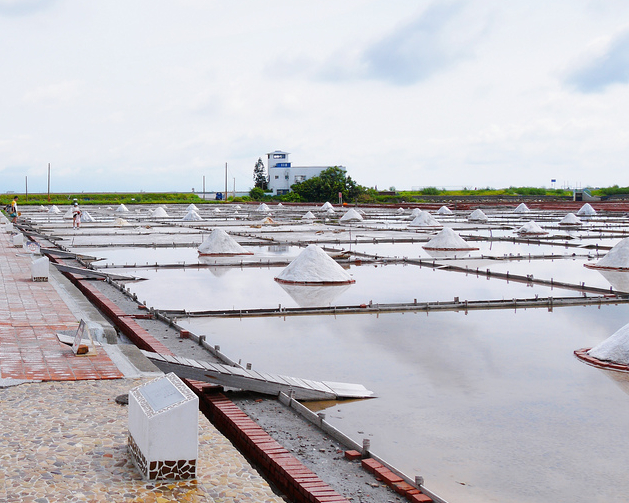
x=619 y=280
x=314 y=295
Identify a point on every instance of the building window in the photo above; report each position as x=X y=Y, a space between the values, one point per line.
x=279 y=156
x=277 y=177
x=286 y=177
x=300 y=178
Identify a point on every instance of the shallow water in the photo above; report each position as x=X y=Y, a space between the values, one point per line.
x=489 y=406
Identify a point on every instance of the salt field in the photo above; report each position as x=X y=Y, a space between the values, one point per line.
x=485 y=404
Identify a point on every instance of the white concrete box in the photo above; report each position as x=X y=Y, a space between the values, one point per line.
x=164 y=429
x=40 y=268
x=18 y=240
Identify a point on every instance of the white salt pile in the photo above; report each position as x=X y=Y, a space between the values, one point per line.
x=68 y=214
x=217 y=210
x=477 y=216
x=54 y=209
x=262 y=208
x=279 y=206
x=308 y=216
x=570 y=219
x=121 y=209
x=425 y=219
x=42 y=208
x=615 y=348
x=314 y=266
x=447 y=239
x=192 y=216
x=522 y=208
x=586 y=210
x=220 y=243
x=399 y=211
x=327 y=206
x=192 y=207
x=616 y=259
x=120 y=222
x=159 y=212
x=531 y=228
x=351 y=216
x=416 y=212
x=330 y=211
x=268 y=220
x=444 y=210
x=86 y=217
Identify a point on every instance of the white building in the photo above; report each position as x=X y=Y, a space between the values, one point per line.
x=282 y=174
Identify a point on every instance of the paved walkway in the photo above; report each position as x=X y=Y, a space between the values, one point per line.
x=66 y=439
x=31 y=314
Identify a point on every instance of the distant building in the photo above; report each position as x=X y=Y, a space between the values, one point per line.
x=282 y=174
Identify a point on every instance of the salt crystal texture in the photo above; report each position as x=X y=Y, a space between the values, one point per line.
x=617 y=258
x=614 y=348
x=314 y=266
x=220 y=243
x=447 y=239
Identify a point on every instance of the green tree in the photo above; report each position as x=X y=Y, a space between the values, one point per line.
x=259 y=175
x=257 y=194
x=327 y=185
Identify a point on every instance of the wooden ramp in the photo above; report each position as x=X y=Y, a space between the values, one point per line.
x=260 y=382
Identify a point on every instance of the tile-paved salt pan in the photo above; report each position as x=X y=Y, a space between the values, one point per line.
x=67 y=441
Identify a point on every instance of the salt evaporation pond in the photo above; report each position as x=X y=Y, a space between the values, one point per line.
x=245 y=288
x=488 y=406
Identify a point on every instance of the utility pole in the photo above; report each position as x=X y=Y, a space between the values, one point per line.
x=234 y=192
x=48 y=182
x=203 y=186
x=26 y=177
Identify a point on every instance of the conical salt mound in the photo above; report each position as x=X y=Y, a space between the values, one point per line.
x=120 y=222
x=263 y=208
x=531 y=228
x=425 y=219
x=400 y=211
x=615 y=348
x=217 y=210
x=191 y=207
x=68 y=214
x=327 y=206
x=192 y=216
x=617 y=258
x=42 y=208
x=86 y=217
x=570 y=219
x=351 y=216
x=447 y=239
x=54 y=209
x=279 y=206
x=416 y=212
x=220 y=243
x=522 y=208
x=444 y=210
x=330 y=211
x=308 y=216
x=586 y=210
x=477 y=216
x=314 y=266
x=159 y=212
x=121 y=209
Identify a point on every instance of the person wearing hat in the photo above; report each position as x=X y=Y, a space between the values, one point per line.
x=76 y=216
x=13 y=211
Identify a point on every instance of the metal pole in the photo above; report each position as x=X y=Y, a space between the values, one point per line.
x=26 y=177
x=225 y=181
x=234 y=192
x=203 y=186
x=48 y=182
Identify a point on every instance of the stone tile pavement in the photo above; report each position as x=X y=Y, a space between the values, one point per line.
x=65 y=439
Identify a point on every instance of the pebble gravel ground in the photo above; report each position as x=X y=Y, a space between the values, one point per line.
x=67 y=442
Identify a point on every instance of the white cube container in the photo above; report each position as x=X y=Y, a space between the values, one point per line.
x=164 y=429
x=40 y=269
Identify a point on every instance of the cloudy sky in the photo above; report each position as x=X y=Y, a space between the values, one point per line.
x=153 y=95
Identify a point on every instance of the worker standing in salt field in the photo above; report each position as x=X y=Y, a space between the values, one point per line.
x=76 y=216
